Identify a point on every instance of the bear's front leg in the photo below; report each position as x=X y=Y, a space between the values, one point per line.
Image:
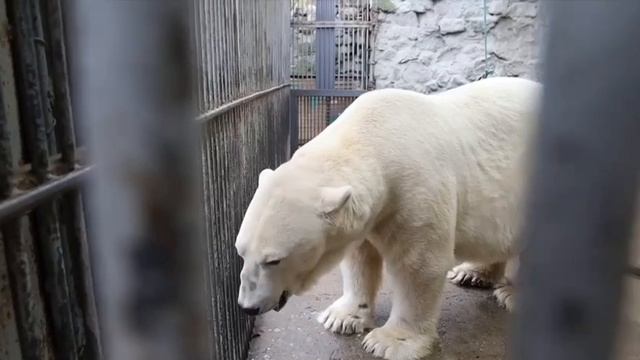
x=353 y=312
x=417 y=278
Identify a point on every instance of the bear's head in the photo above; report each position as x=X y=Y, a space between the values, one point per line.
x=293 y=231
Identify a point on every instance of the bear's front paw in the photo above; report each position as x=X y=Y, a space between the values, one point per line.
x=347 y=317
x=393 y=343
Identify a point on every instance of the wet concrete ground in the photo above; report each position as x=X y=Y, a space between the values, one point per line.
x=472 y=327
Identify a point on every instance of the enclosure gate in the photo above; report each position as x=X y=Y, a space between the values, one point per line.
x=331 y=61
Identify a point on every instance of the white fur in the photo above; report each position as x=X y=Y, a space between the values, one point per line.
x=415 y=180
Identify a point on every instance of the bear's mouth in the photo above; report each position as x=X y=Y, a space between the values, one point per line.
x=283 y=301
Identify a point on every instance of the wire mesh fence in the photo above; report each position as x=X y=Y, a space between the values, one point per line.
x=243 y=51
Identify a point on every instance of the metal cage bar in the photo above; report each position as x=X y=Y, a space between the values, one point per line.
x=584 y=184
x=134 y=73
x=52 y=317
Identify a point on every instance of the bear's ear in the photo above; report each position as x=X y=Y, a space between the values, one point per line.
x=264 y=176
x=334 y=198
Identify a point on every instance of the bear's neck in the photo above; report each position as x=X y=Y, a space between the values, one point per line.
x=332 y=168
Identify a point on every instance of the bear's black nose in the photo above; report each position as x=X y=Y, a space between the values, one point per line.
x=250 y=311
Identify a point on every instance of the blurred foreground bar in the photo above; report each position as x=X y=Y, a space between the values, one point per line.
x=133 y=79
x=583 y=183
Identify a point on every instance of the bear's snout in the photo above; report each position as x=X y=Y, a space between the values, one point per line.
x=250 y=311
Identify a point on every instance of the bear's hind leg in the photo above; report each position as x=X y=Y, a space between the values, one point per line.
x=505 y=295
x=478 y=275
x=505 y=290
x=353 y=312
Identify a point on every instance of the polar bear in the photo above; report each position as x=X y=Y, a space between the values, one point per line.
x=414 y=181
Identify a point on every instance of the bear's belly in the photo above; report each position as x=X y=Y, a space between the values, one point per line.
x=485 y=238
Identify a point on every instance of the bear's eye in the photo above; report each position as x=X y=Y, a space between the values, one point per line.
x=272 y=263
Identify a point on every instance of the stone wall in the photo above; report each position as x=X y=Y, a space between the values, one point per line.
x=430 y=45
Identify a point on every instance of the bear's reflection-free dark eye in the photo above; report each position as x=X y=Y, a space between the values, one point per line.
x=272 y=262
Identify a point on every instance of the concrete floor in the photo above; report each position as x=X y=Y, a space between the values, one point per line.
x=472 y=326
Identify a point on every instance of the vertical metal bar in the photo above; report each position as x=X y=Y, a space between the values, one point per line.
x=217 y=19
x=294 y=124
x=79 y=255
x=213 y=23
x=307 y=119
x=219 y=152
x=33 y=327
x=206 y=55
x=46 y=91
x=227 y=225
x=134 y=77
x=212 y=274
x=584 y=184
x=28 y=86
x=62 y=99
x=9 y=340
x=6 y=161
x=8 y=84
x=352 y=52
x=196 y=35
x=229 y=56
x=325 y=46
x=223 y=48
x=210 y=60
x=62 y=307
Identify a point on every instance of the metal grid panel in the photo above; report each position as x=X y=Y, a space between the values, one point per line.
x=332 y=52
x=353 y=44
x=332 y=44
x=242 y=49
x=319 y=111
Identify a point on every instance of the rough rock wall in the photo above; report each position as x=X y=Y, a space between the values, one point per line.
x=430 y=45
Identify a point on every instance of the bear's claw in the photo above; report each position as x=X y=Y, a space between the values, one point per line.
x=346 y=317
x=393 y=343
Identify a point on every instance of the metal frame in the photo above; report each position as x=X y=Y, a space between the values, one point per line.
x=327 y=92
x=584 y=184
x=331 y=24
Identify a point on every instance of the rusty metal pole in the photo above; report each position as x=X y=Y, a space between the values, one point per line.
x=133 y=81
